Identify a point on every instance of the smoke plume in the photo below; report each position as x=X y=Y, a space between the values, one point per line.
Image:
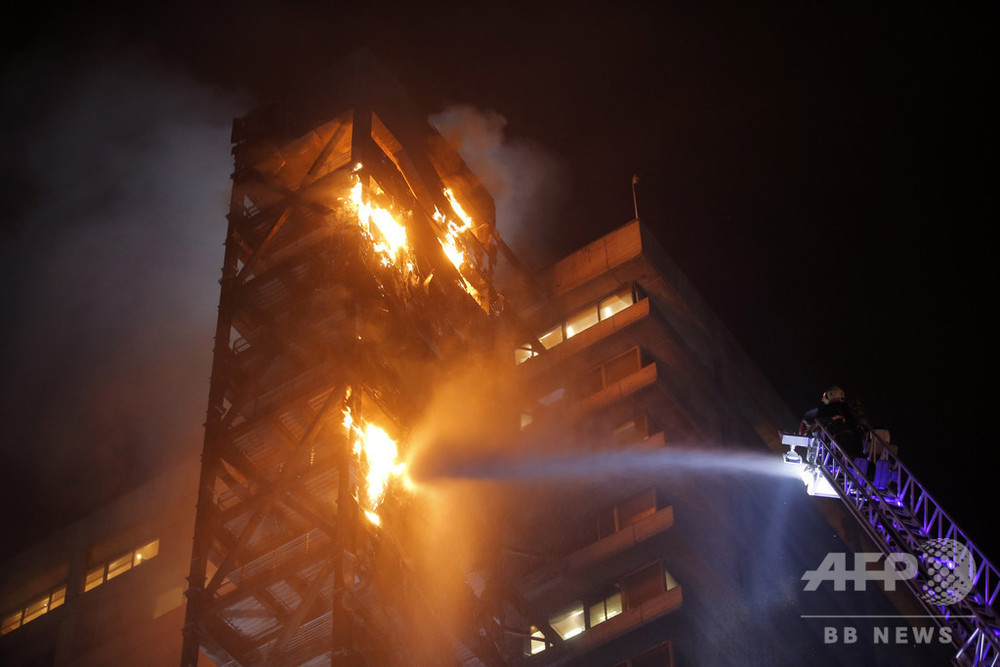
x=528 y=182
x=109 y=262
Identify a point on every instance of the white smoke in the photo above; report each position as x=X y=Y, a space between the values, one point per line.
x=528 y=182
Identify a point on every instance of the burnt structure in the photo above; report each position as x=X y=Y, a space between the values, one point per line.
x=359 y=256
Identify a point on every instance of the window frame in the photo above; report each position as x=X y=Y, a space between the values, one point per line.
x=584 y=386
x=523 y=353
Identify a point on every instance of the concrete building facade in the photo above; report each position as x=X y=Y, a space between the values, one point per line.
x=109 y=589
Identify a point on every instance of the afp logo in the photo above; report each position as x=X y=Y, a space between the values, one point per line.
x=948 y=564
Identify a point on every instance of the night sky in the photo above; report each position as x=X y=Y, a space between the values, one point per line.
x=818 y=171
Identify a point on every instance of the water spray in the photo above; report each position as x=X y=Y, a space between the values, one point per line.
x=569 y=466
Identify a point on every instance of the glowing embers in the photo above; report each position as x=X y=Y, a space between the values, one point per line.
x=377 y=456
x=388 y=236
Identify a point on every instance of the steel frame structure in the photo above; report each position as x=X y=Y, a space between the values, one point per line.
x=316 y=321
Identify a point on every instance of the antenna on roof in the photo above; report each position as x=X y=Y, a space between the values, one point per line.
x=635 y=202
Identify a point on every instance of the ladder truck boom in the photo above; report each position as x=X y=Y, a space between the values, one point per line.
x=901 y=517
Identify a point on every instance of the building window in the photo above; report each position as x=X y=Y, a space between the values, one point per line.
x=536 y=642
x=570 y=622
x=581 y=320
x=33 y=610
x=610 y=372
x=552 y=337
x=99 y=574
x=609 y=607
x=523 y=353
x=646 y=584
x=632 y=431
x=95 y=577
x=119 y=566
x=11 y=622
x=617 y=302
x=629 y=593
x=626 y=513
x=146 y=552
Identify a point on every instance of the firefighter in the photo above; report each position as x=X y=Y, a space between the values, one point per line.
x=836 y=416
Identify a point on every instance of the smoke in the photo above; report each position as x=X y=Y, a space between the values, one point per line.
x=528 y=183
x=109 y=261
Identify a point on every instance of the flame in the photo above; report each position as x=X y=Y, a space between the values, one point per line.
x=392 y=243
x=377 y=454
x=450 y=243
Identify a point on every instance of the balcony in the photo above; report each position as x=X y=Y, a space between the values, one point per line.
x=562 y=573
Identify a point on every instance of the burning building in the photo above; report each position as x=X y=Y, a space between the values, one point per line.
x=361 y=284
x=359 y=261
x=417 y=452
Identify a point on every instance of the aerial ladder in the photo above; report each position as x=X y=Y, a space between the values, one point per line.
x=901 y=518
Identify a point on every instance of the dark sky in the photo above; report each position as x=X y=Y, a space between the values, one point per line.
x=819 y=171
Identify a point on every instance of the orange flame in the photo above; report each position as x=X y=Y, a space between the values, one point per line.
x=392 y=243
x=450 y=243
x=377 y=453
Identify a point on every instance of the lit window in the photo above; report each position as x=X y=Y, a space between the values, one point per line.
x=36 y=609
x=526 y=420
x=95 y=578
x=58 y=597
x=11 y=622
x=607 y=608
x=144 y=553
x=108 y=571
x=119 y=566
x=522 y=354
x=33 y=610
x=536 y=643
x=552 y=337
x=616 y=302
x=570 y=622
x=669 y=580
x=582 y=320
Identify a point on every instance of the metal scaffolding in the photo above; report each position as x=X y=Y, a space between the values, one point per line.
x=359 y=255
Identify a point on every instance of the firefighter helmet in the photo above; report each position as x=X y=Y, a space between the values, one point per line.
x=833 y=395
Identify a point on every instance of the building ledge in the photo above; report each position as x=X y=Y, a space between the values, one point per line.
x=550 y=577
x=630 y=619
x=642 y=378
x=557 y=355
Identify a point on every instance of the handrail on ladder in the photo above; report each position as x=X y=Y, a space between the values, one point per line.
x=899 y=520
